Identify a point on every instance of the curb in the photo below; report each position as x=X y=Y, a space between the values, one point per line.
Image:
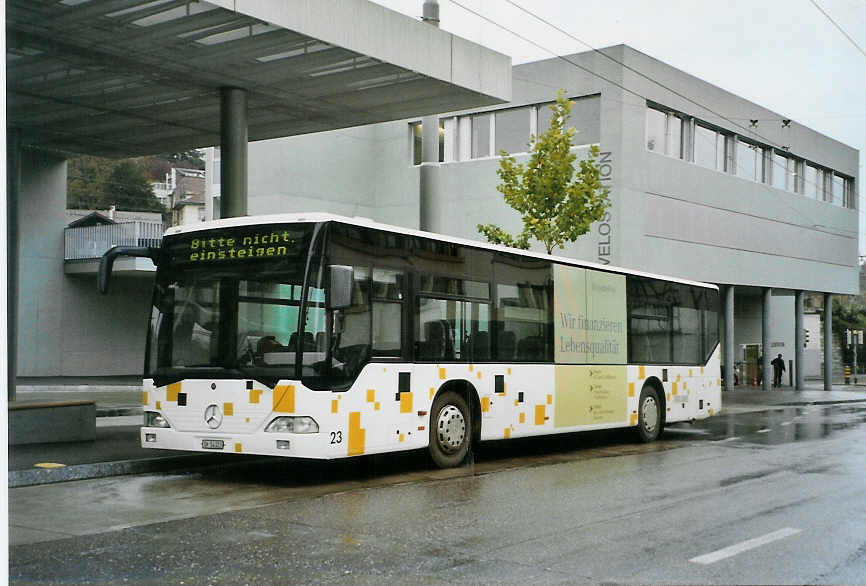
x=36 y=476
x=828 y=402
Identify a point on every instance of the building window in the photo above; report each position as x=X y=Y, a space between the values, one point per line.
x=709 y=148
x=838 y=192
x=417 y=142
x=441 y=140
x=812 y=182
x=416 y=133
x=486 y=134
x=779 y=170
x=656 y=123
x=512 y=130
x=792 y=183
x=850 y=201
x=675 y=136
x=664 y=133
x=750 y=161
x=481 y=135
x=585 y=118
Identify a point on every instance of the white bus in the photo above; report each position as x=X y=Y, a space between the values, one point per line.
x=320 y=336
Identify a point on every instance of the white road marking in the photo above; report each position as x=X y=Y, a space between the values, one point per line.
x=765 y=430
x=732 y=550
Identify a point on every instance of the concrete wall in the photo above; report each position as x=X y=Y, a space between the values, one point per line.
x=364 y=171
x=65 y=327
x=105 y=334
x=42 y=217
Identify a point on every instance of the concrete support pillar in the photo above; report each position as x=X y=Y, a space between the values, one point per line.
x=828 y=341
x=766 y=350
x=13 y=191
x=233 y=152
x=429 y=156
x=798 y=340
x=729 y=337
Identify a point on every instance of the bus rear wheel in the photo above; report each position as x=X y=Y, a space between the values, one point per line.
x=449 y=430
x=650 y=418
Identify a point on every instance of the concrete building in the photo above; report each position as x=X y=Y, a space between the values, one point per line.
x=704 y=185
x=187 y=197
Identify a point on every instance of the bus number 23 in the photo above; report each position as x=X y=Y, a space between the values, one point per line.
x=336 y=437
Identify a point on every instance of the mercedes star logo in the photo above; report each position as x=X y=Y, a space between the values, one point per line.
x=213 y=416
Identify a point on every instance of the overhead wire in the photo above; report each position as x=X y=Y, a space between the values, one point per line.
x=838 y=27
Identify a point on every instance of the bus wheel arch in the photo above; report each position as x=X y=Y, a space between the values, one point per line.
x=455 y=423
x=652 y=410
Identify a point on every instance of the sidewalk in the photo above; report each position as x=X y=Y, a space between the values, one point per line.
x=116 y=450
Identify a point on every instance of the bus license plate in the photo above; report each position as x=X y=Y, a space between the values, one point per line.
x=212 y=444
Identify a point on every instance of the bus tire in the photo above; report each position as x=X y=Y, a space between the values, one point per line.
x=650 y=418
x=450 y=432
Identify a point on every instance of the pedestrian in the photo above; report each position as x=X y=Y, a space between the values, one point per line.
x=778 y=369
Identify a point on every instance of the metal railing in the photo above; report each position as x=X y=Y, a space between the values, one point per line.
x=89 y=242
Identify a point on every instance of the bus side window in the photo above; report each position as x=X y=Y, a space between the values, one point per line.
x=454 y=320
x=388 y=295
x=523 y=323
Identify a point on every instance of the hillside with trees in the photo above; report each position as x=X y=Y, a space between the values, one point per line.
x=96 y=183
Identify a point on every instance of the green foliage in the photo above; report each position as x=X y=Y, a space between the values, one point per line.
x=557 y=203
x=129 y=189
x=186 y=159
x=97 y=183
x=85 y=182
x=849 y=316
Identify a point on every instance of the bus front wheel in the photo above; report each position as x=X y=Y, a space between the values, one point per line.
x=650 y=419
x=449 y=430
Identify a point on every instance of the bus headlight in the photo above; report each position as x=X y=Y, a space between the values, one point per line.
x=154 y=419
x=293 y=425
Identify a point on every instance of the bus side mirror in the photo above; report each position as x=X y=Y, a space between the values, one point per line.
x=106 y=263
x=340 y=291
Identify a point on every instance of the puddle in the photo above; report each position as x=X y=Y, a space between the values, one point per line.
x=778 y=426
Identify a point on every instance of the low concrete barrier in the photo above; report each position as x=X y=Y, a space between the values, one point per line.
x=49 y=422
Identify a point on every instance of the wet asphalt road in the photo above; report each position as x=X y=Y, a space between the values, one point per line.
x=771 y=497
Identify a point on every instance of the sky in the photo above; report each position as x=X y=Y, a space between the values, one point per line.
x=784 y=55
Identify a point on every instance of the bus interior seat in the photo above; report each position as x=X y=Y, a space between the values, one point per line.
x=481 y=346
x=309 y=342
x=436 y=345
x=531 y=348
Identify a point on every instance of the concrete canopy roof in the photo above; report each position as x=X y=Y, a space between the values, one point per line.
x=123 y=78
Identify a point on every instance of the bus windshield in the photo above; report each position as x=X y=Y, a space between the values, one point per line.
x=227 y=304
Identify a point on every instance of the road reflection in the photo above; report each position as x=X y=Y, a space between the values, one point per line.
x=774 y=427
